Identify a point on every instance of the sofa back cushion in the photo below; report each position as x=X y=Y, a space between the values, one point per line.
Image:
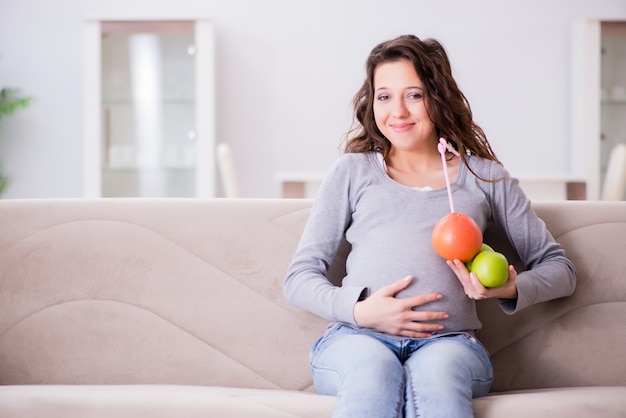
x=188 y=291
x=117 y=291
x=573 y=341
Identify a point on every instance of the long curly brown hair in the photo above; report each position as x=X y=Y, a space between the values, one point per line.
x=447 y=106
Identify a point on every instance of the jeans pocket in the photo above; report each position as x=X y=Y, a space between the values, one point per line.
x=477 y=346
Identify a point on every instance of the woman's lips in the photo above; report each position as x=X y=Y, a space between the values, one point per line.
x=401 y=127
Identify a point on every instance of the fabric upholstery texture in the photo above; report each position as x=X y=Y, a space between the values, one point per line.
x=573 y=341
x=128 y=307
x=159 y=292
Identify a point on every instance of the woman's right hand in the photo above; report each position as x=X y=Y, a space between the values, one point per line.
x=382 y=311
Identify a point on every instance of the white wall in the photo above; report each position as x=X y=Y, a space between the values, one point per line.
x=286 y=73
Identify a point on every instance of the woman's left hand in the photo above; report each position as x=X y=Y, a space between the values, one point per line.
x=475 y=290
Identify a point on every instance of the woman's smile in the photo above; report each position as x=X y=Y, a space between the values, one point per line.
x=401 y=127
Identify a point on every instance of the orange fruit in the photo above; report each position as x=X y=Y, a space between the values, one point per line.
x=457 y=237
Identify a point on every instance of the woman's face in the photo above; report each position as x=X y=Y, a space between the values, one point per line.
x=400 y=106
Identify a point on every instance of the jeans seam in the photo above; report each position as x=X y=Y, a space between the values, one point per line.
x=409 y=382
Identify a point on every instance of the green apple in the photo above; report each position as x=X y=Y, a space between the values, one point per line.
x=491 y=268
x=483 y=247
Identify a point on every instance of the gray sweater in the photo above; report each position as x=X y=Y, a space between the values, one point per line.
x=389 y=226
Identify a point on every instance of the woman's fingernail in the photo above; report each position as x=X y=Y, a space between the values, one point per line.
x=407 y=278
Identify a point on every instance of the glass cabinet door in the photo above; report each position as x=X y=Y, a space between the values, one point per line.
x=613 y=90
x=148 y=109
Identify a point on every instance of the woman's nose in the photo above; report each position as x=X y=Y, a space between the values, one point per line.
x=399 y=109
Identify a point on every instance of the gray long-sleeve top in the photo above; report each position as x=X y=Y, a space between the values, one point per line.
x=389 y=226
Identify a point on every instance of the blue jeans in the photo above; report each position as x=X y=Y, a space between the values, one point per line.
x=379 y=375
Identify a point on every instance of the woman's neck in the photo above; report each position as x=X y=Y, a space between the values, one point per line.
x=420 y=169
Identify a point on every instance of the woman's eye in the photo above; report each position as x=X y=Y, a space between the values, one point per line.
x=383 y=97
x=415 y=96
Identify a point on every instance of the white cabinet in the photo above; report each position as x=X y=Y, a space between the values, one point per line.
x=613 y=89
x=598 y=111
x=149 y=104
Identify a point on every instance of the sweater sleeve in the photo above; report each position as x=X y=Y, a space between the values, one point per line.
x=306 y=284
x=549 y=274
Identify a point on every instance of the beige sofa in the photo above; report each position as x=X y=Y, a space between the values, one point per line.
x=174 y=308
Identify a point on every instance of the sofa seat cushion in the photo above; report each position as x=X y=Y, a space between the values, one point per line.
x=158 y=401
x=596 y=401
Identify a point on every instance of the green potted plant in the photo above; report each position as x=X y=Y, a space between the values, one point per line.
x=10 y=100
